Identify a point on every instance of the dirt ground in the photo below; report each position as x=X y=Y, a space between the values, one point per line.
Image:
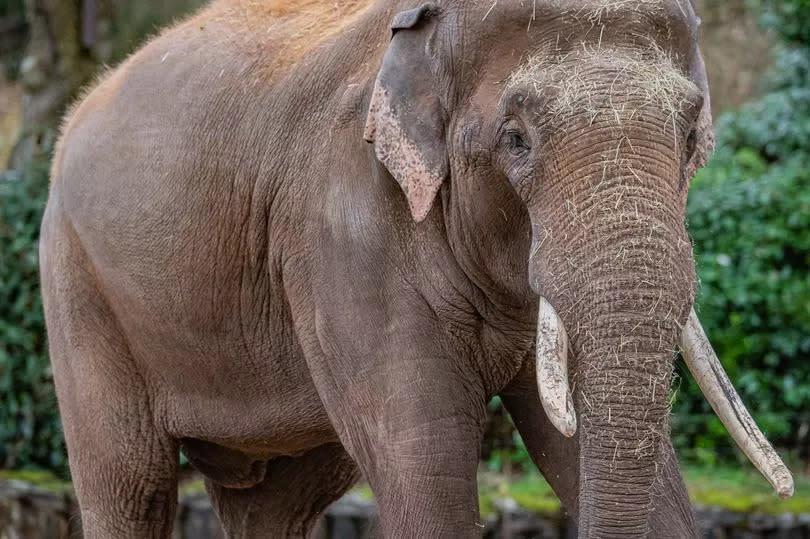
x=10 y=118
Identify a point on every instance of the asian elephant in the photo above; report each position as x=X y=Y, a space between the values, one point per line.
x=308 y=241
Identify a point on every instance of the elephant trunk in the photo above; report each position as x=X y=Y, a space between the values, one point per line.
x=623 y=377
x=613 y=266
x=625 y=337
x=616 y=278
x=618 y=268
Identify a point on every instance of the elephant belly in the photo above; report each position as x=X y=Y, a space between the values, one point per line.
x=259 y=404
x=231 y=377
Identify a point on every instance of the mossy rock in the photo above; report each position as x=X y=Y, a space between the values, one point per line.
x=737 y=491
x=530 y=492
x=38 y=479
x=744 y=491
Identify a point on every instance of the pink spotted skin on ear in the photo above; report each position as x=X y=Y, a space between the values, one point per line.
x=401 y=156
x=370 y=131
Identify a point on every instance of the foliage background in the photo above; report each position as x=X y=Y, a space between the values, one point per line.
x=749 y=216
x=30 y=433
x=8 y=7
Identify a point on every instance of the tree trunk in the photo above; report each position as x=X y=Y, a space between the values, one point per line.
x=55 y=67
x=69 y=40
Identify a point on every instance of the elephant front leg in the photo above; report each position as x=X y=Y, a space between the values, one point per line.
x=556 y=456
x=420 y=457
x=413 y=423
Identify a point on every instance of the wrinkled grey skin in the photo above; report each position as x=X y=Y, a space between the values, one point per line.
x=229 y=269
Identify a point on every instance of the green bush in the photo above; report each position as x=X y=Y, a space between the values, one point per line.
x=774 y=127
x=11 y=7
x=30 y=433
x=789 y=19
x=749 y=222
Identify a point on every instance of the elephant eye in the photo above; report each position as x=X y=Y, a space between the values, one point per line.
x=516 y=144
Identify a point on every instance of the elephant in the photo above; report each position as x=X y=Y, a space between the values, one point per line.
x=307 y=242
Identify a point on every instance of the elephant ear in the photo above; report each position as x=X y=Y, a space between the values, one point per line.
x=405 y=120
x=704 y=131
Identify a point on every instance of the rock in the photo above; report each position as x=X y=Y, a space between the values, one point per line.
x=351 y=517
x=353 y=506
x=714 y=522
x=518 y=523
x=196 y=519
x=344 y=528
x=29 y=512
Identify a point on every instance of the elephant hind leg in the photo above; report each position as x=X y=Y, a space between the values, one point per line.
x=123 y=464
x=293 y=494
x=122 y=461
x=126 y=486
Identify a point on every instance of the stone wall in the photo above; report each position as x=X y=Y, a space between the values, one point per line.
x=28 y=512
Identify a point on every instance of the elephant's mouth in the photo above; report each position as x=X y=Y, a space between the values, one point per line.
x=556 y=397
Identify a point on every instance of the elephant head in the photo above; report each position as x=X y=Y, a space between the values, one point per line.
x=562 y=136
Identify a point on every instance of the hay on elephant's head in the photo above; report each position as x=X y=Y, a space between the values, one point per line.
x=595 y=80
x=598 y=12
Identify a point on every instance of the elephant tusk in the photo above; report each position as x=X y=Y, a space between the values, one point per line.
x=552 y=370
x=717 y=388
